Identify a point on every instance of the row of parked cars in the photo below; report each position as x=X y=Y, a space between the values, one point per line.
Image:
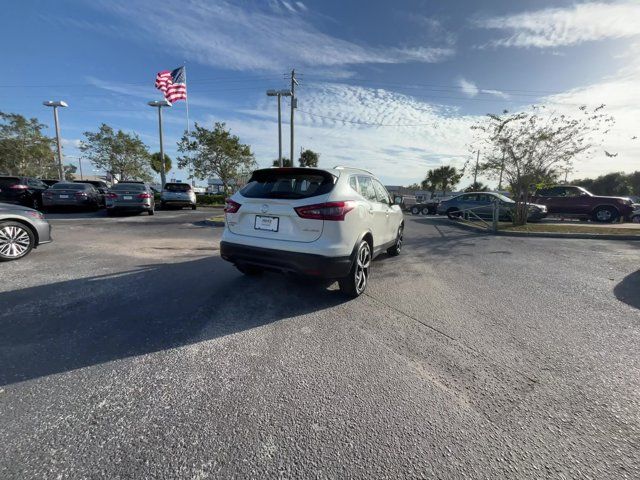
x=44 y=195
x=567 y=201
x=23 y=199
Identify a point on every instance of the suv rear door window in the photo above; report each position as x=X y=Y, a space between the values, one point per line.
x=288 y=183
x=366 y=188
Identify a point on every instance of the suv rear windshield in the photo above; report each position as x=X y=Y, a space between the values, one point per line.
x=134 y=187
x=290 y=183
x=177 y=187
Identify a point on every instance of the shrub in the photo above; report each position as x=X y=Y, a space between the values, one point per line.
x=210 y=199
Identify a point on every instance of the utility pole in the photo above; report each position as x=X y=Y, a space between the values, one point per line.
x=294 y=102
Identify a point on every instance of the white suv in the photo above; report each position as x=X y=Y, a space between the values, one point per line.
x=324 y=223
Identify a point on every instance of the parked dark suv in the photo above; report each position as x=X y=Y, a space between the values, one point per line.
x=100 y=186
x=23 y=191
x=572 y=201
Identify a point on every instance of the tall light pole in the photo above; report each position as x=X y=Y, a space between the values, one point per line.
x=55 y=105
x=279 y=94
x=159 y=104
x=294 y=105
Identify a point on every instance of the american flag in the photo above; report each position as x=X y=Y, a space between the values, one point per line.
x=173 y=84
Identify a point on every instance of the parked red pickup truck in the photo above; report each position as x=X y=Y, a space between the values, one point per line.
x=572 y=201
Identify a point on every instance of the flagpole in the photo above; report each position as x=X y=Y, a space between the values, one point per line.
x=184 y=65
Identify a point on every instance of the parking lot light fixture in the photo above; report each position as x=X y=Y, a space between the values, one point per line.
x=55 y=104
x=159 y=104
x=279 y=94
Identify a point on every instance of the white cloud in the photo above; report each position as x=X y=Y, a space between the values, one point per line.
x=255 y=38
x=619 y=93
x=553 y=27
x=471 y=90
x=342 y=122
x=468 y=88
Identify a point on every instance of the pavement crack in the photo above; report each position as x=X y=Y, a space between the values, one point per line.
x=453 y=339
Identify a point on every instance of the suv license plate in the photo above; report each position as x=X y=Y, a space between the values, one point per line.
x=266 y=223
x=127 y=197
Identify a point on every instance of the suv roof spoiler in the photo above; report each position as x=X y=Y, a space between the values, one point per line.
x=342 y=167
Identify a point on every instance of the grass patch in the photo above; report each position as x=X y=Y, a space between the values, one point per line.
x=541 y=227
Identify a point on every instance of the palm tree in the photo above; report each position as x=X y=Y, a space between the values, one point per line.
x=448 y=177
x=431 y=182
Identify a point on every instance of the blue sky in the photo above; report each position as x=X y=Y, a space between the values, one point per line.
x=388 y=86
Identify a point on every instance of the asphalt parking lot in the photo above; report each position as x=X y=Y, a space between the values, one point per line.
x=129 y=349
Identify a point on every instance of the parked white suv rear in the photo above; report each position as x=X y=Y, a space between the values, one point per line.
x=324 y=223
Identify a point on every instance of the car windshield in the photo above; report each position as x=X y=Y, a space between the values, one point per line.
x=288 y=183
x=69 y=186
x=503 y=198
x=177 y=187
x=135 y=187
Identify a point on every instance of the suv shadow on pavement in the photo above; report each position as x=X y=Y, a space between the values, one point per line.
x=628 y=290
x=73 y=324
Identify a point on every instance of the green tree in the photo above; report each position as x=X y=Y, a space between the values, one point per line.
x=216 y=154
x=532 y=146
x=69 y=170
x=446 y=178
x=477 y=187
x=24 y=150
x=156 y=166
x=634 y=182
x=309 y=158
x=615 y=183
x=117 y=153
x=431 y=181
x=285 y=162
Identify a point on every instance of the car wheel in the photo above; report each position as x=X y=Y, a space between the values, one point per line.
x=635 y=219
x=415 y=210
x=193 y=207
x=395 y=250
x=151 y=212
x=16 y=241
x=425 y=211
x=250 y=270
x=35 y=204
x=354 y=284
x=453 y=213
x=605 y=215
x=163 y=206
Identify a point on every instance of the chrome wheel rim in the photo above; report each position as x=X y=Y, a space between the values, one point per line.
x=399 y=239
x=14 y=241
x=363 y=261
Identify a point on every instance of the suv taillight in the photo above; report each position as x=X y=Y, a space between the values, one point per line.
x=231 y=206
x=112 y=195
x=144 y=195
x=19 y=186
x=326 y=211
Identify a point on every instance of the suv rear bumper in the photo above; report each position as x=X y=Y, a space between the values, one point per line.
x=286 y=262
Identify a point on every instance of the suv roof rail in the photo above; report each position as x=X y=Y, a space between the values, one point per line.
x=342 y=167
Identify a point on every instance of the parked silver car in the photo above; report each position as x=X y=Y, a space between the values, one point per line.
x=132 y=197
x=481 y=204
x=21 y=230
x=177 y=195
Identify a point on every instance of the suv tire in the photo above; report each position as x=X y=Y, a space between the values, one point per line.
x=194 y=206
x=453 y=213
x=355 y=283
x=397 y=247
x=605 y=215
